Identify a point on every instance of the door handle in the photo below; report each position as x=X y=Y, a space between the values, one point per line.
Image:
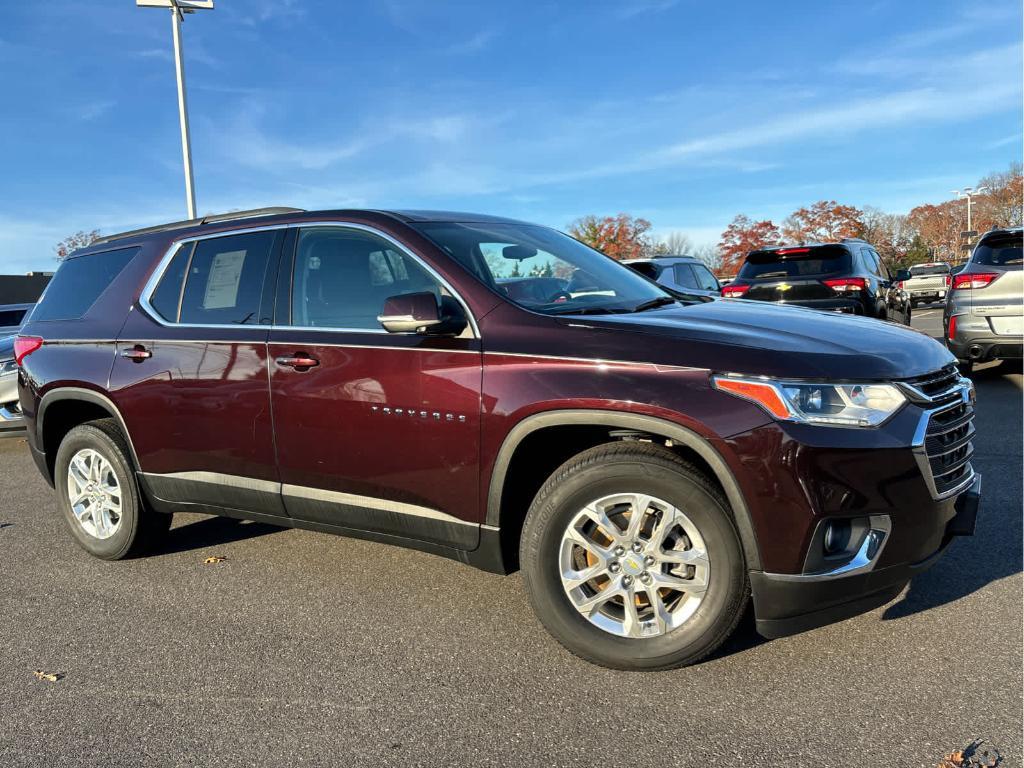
x=300 y=361
x=136 y=354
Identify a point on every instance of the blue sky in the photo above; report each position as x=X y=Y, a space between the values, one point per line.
x=680 y=111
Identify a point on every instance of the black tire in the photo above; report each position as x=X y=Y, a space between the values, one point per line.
x=639 y=468
x=139 y=527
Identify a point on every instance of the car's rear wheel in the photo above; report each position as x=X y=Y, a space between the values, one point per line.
x=631 y=559
x=98 y=494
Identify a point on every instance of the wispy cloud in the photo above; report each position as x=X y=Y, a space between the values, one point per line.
x=475 y=44
x=633 y=8
x=1015 y=138
x=95 y=109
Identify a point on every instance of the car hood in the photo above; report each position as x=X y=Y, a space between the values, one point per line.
x=765 y=339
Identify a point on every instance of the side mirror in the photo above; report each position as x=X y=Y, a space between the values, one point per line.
x=419 y=313
x=903 y=274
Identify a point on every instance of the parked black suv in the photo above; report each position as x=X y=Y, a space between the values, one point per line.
x=848 y=276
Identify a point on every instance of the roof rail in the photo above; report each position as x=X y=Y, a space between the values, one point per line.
x=252 y=212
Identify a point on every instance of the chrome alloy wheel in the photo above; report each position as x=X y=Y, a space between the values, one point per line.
x=633 y=565
x=94 y=493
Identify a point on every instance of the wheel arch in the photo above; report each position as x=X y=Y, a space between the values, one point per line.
x=498 y=513
x=64 y=408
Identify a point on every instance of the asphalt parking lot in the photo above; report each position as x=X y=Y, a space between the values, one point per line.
x=306 y=649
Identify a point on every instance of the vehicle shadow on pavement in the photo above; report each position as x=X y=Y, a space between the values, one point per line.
x=744 y=638
x=212 y=532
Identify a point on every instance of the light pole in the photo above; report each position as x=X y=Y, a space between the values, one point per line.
x=178 y=10
x=968 y=192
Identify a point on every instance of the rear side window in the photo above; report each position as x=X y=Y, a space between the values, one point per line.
x=646 y=269
x=1000 y=252
x=684 y=276
x=705 y=280
x=11 y=318
x=79 y=282
x=227 y=281
x=795 y=262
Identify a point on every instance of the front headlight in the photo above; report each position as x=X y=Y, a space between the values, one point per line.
x=8 y=367
x=846 y=405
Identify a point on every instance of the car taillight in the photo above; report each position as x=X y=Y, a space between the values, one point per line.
x=846 y=284
x=973 y=280
x=952 y=327
x=949 y=280
x=734 y=291
x=899 y=285
x=25 y=346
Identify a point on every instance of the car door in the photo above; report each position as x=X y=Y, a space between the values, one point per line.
x=889 y=294
x=190 y=377
x=375 y=431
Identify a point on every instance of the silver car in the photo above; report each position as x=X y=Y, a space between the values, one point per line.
x=684 y=274
x=11 y=420
x=984 y=315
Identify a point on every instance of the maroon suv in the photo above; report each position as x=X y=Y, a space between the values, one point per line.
x=499 y=393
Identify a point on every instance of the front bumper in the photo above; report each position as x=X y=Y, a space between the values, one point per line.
x=786 y=604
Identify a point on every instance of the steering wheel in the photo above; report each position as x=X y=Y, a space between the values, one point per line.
x=559 y=296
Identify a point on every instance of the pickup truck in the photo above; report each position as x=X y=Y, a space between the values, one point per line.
x=925 y=282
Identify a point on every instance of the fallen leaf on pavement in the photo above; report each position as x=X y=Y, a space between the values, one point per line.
x=214 y=559
x=50 y=677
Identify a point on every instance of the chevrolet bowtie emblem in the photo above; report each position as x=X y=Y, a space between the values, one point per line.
x=784 y=286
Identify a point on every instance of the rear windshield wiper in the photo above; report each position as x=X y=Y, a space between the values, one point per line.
x=658 y=302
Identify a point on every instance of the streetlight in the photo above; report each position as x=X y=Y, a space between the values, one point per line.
x=968 y=192
x=178 y=10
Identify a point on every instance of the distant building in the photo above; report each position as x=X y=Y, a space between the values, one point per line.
x=23 y=289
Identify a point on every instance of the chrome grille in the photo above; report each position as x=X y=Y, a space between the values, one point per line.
x=940 y=385
x=944 y=445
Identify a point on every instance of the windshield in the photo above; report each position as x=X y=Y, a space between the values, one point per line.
x=929 y=269
x=1000 y=252
x=544 y=270
x=795 y=262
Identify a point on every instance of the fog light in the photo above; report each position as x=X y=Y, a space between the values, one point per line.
x=837 y=537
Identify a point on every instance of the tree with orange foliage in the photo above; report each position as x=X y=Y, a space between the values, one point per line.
x=740 y=238
x=940 y=227
x=73 y=242
x=825 y=221
x=621 y=237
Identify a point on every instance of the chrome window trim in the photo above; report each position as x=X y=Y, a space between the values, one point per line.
x=154 y=279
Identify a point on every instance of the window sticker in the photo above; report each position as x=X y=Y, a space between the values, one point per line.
x=225 y=277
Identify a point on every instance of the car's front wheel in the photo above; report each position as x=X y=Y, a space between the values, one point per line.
x=98 y=494
x=631 y=558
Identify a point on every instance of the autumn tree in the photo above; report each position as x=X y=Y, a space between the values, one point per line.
x=1000 y=205
x=741 y=237
x=894 y=237
x=621 y=237
x=73 y=242
x=825 y=221
x=940 y=226
x=708 y=253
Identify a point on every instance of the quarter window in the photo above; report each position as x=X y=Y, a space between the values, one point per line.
x=342 y=278
x=79 y=282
